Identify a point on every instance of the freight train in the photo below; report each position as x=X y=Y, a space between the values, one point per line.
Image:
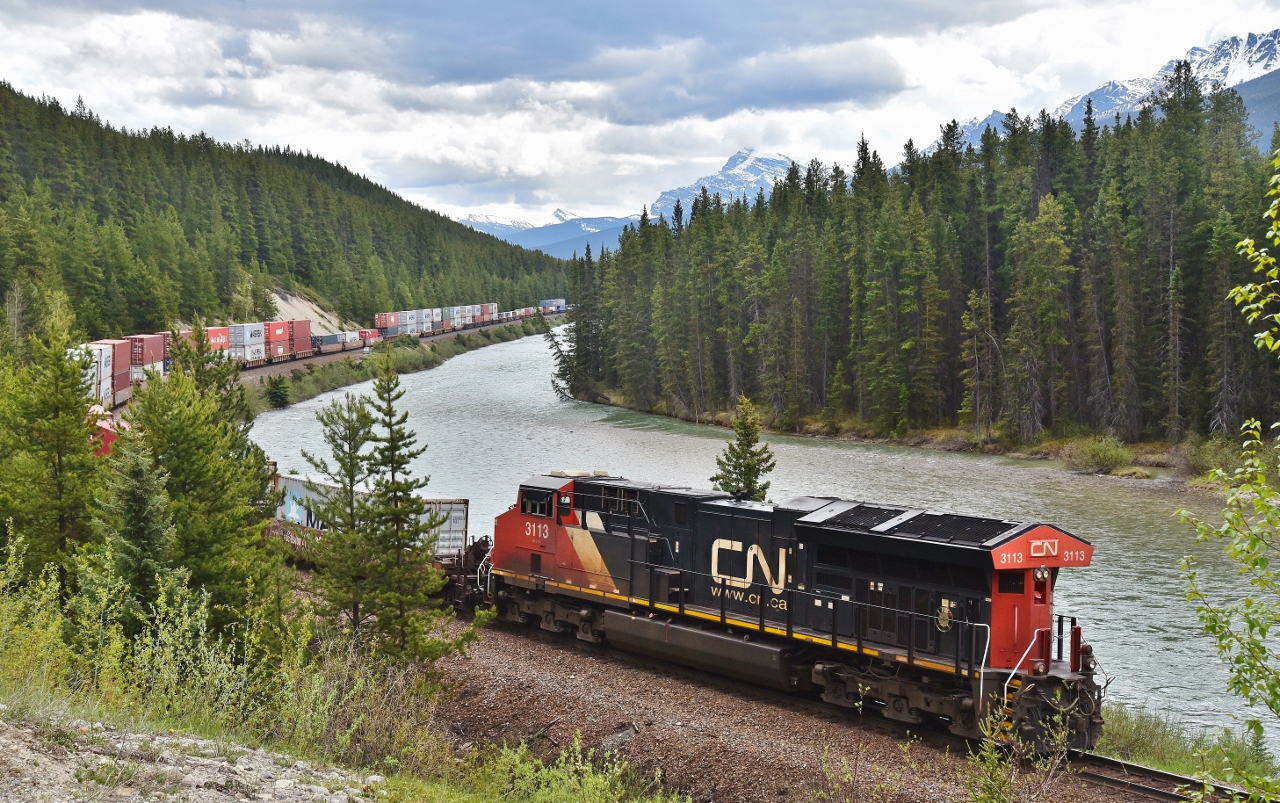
x=116 y=367
x=929 y=616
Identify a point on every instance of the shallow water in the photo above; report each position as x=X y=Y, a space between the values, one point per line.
x=491 y=419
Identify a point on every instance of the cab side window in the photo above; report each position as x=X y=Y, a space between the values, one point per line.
x=1012 y=582
x=535 y=503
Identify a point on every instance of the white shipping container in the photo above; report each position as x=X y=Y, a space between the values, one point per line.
x=104 y=360
x=247 y=334
x=408 y=316
x=414 y=328
x=348 y=337
x=102 y=365
x=92 y=377
x=138 y=373
x=435 y=314
x=248 y=353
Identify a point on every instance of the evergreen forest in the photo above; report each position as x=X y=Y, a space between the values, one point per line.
x=141 y=229
x=1046 y=283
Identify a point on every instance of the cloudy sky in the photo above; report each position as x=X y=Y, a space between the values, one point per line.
x=517 y=108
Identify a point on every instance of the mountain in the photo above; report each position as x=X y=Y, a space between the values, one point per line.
x=1261 y=97
x=744 y=174
x=1232 y=61
x=143 y=229
x=567 y=236
x=501 y=227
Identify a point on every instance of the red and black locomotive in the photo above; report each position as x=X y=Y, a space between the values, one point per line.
x=931 y=615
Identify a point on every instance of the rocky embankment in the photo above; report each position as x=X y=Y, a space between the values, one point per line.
x=54 y=762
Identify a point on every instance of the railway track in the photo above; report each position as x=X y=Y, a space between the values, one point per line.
x=1145 y=782
x=1134 y=781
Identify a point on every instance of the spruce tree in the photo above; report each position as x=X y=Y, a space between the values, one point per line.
x=745 y=461
x=135 y=522
x=402 y=531
x=343 y=556
x=50 y=475
x=215 y=490
x=277 y=392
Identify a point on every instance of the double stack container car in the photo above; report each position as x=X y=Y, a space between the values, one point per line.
x=116 y=366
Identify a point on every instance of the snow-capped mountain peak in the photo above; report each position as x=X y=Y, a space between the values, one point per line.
x=1228 y=62
x=483 y=222
x=562 y=216
x=1232 y=60
x=743 y=174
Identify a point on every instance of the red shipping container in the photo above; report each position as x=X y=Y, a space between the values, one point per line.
x=120 y=351
x=144 y=350
x=367 y=334
x=301 y=344
x=219 y=337
x=276 y=330
x=299 y=330
x=166 y=336
x=279 y=348
x=386 y=320
x=119 y=381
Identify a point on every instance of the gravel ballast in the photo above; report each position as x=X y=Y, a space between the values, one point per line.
x=713 y=740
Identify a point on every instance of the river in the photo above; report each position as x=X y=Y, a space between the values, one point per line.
x=491 y=419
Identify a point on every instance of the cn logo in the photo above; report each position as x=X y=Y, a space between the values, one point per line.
x=755 y=555
x=1044 y=549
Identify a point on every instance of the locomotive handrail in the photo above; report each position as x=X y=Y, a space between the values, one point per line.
x=650 y=587
x=1035 y=639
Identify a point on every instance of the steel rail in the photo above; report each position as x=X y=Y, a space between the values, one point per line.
x=1138 y=777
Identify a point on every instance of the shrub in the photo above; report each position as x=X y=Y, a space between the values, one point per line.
x=278 y=392
x=1207 y=455
x=1162 y=740
x=1097 y=455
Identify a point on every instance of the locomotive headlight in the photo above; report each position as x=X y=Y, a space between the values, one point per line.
x=1041 y=575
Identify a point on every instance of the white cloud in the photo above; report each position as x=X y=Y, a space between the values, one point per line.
x=611 y=131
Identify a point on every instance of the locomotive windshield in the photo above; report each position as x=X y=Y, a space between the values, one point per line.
x=535 y=503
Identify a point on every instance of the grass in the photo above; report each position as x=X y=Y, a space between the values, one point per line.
x=1161 y=740
x=407 y=354
x=301 y=692
x=1096 y=455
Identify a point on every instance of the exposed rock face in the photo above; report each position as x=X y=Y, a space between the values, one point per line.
x=78 y=761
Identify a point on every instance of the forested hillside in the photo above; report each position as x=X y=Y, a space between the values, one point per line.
x=142 y=228
x=1046 y=282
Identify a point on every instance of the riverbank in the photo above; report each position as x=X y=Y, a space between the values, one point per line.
x=1188 y=462
x=326 y=372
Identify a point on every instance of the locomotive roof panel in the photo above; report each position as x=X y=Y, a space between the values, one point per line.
x=634 y=485
x=948 y=533
x=545 y=482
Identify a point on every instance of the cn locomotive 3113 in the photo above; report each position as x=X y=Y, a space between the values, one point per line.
x=931 y=615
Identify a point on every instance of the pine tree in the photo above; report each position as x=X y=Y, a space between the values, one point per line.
x=837 y=396
x=402 y=531
x=220 y=508
x=277 y=391
x=1039 y=314
x=745 y=461
x=135 y=522
x=343 y=557
x=980 y=357
x=50 y=475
